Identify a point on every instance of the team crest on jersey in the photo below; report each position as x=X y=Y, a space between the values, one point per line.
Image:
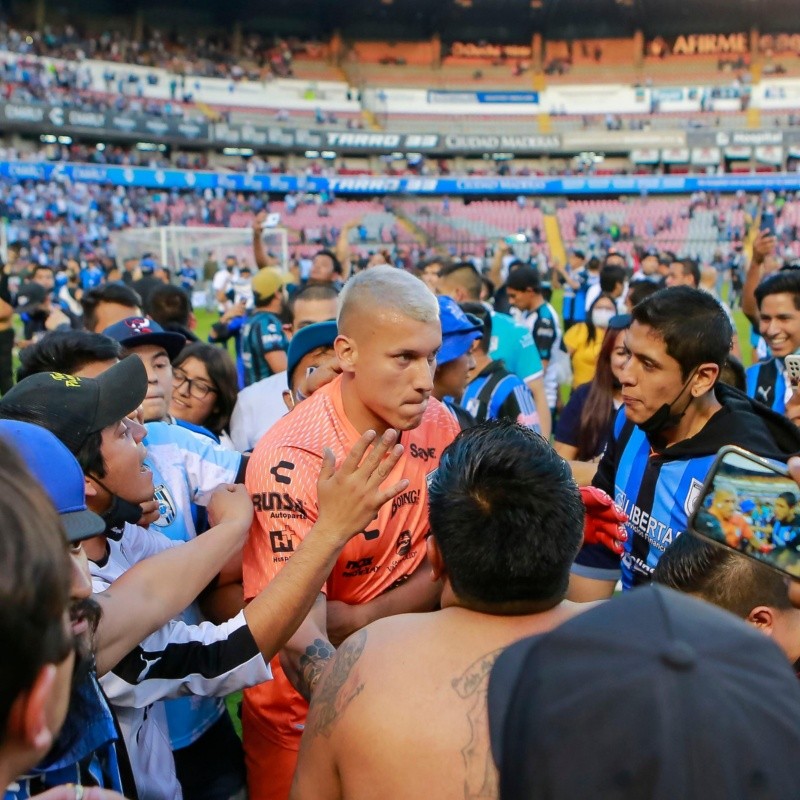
x=166 y=507
x=692 y=496
x=430 y=476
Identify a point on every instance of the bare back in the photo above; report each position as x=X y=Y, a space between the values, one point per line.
x=401 y=712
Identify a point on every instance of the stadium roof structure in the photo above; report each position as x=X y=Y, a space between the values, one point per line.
x=500 y=21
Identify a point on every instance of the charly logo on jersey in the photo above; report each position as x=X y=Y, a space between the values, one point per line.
x=166 y=507
x=692 y=496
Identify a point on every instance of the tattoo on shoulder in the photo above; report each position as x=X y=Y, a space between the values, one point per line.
x=340 y=686
x=480 y=773
x=312 y=663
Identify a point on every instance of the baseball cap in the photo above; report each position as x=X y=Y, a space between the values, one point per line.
x=73 y=408
x=619 y=322
x=267 y=281
x=59 y=473
x=650 y=696
x=138 y=331
x=320 y=334
x=30 y=295
x=147 y=264
x=651 y=251
x=458 y=331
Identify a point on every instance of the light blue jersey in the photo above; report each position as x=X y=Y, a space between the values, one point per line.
x=514 y=346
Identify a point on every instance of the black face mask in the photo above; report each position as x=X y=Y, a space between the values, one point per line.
x=120 y=512
x=665 y=418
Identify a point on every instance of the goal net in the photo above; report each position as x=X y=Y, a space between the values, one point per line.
x=170 y=245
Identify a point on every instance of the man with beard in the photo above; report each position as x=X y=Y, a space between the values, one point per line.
x=179 y=658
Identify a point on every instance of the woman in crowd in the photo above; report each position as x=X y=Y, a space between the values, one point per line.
x=205 y=388
x=585 y=423
x=584 y=340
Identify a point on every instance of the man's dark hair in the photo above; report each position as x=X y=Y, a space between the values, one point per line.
x=429 y=262
x=337 y=265
x=40 y=267
x=610 y=277
x=66 y=351
x=733 y=374
x=524 y=278
x=107 y=293
x=507 y=517
x=720 y=576
x=34 y=583
x=789 y=497
x=316 y=291
x=466 y=276
x=689 y=266
x=169 y=305
x=593 y=264
x=693 y=325
x=639 y=290
x=480 y=311
x=787 y=282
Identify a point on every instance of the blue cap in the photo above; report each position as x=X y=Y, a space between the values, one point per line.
x=59 y=473
x=138 y=331
x=619 y=322
x=147 y=264
x=458 y=331
x=320 y=334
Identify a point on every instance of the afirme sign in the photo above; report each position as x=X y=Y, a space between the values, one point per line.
x=708 y=44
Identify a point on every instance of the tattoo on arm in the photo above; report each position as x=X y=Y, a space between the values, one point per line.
x=340 y=686
x=472 y=686
x=312 y=663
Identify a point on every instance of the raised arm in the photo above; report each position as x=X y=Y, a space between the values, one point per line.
x=156 y=589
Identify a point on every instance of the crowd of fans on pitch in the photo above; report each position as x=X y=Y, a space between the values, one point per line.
x=400 y=490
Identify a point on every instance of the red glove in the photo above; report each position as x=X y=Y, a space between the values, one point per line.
x=604 y=520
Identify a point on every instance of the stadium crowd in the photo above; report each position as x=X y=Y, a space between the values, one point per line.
x=400 y=489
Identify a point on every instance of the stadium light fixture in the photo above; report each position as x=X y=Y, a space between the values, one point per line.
x=312 y=154
x=329 y=155
x=65 y=140
x=48 y=138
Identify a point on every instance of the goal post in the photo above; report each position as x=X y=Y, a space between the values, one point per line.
x=171 y=244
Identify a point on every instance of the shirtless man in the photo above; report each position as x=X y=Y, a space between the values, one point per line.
x=388 y=337
x=401 y=710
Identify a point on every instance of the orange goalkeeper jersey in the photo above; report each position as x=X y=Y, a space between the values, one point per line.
x=282 y=482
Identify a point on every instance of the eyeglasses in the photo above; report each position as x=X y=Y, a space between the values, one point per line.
x=197 y=389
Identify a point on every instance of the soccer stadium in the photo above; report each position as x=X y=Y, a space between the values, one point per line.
x=362 y=366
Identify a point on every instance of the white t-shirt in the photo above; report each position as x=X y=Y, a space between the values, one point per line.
x=258 y=407
x=222 y=282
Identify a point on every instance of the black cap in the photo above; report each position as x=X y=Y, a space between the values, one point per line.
x=30 y=295
x=74 y=408
x=650 y=696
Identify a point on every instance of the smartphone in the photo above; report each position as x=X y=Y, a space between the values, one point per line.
x=751 y=505
x=768 y=222
x=793 y=368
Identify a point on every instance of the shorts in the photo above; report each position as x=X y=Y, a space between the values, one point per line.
x=270 y=766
